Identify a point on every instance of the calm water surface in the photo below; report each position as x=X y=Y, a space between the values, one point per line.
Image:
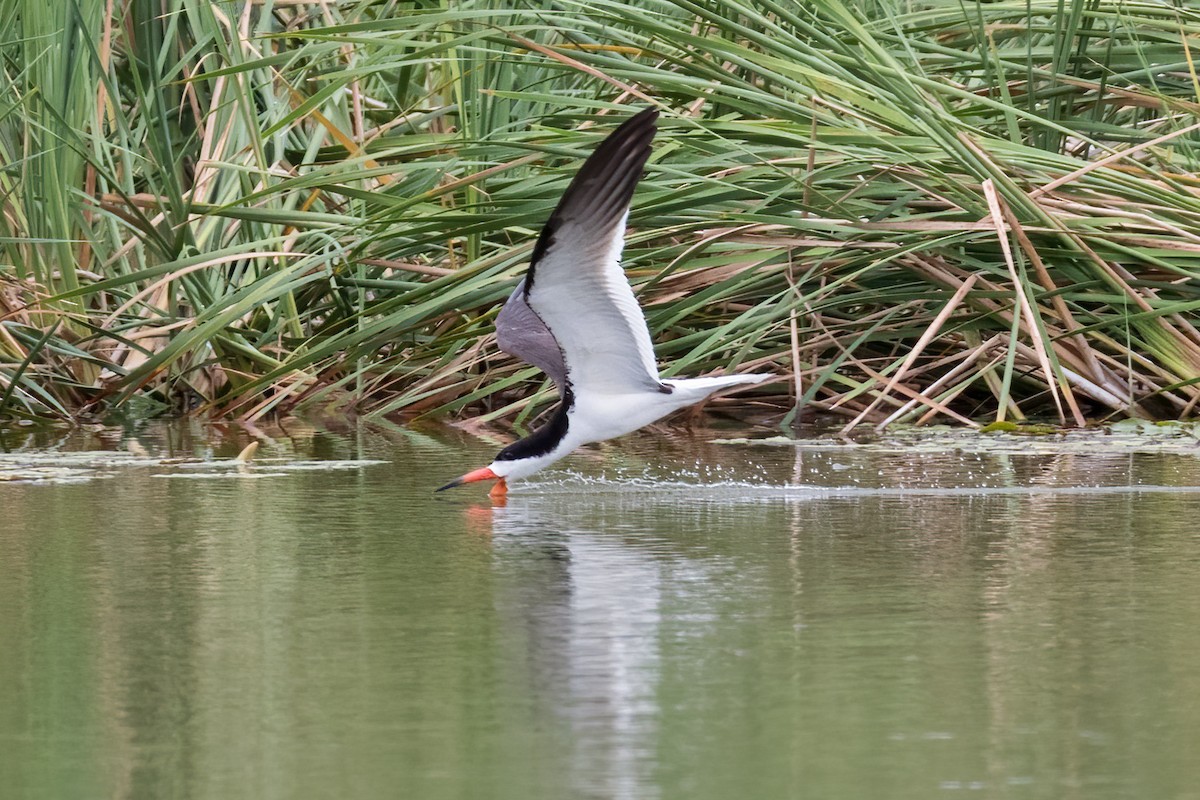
x=827 y=622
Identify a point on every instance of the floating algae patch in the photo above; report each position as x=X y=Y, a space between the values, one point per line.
x=57 y=467
x=43 y=467
x=46 y=475
x=261 y=468
x=83 y=459
x=1124 y=437
x=1021 y=429
x=322 y=466
x=236 y=475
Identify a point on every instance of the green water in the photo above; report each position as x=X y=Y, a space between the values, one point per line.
x=671 y=618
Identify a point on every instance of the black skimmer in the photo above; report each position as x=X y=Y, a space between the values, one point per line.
x=574 y=316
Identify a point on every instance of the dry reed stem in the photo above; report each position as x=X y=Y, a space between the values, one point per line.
x=966 y=361
x=1095 y=165
x=581 y=67
x=926 y=337
x=1026 y=306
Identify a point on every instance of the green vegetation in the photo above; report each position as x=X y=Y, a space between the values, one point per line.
x=976 y=211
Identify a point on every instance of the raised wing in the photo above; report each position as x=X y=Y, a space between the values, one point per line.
x=575 y=285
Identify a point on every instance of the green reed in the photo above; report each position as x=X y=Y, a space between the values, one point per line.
x=973 y=212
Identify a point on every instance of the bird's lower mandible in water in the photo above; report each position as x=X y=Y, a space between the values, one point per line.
x=574 y=316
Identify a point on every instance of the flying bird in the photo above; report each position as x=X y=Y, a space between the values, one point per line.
x=574 y=316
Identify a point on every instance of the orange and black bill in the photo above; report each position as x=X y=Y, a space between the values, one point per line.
x=484 y=474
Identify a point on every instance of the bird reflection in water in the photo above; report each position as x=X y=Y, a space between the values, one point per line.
x=584 y=607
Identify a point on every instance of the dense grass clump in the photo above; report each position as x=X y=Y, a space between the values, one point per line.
x=978 y=211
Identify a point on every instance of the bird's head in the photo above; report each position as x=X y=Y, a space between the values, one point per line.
x=525 y=456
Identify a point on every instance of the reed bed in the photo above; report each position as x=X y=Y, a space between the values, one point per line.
x=963 y=211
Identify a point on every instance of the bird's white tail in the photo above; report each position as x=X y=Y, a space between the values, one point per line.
x=703 y=387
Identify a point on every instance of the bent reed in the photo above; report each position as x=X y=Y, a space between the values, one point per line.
x=972 y=212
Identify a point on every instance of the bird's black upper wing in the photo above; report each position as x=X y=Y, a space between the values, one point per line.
x=575 y=287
